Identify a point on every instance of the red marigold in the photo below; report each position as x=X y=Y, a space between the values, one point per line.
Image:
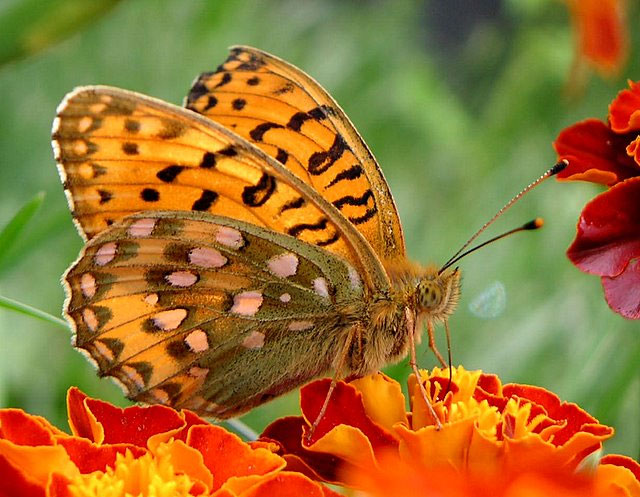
x=494 y=437
x=137 y=451
x=608 y=234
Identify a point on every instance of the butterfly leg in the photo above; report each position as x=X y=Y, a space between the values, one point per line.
x=432 y=344
x=332 y=386
x=414 y=366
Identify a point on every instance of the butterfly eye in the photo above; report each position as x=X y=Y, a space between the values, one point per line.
x=429 y=295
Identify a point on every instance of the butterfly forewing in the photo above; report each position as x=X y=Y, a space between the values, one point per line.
x=292 y=118
x=187 y=309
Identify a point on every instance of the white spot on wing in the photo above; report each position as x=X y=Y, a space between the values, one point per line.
x=181 y=279
x=255 y=340
x=320 y=287
x=106 y=253
x=283 y=265
x=247 y=303
x=229 y=237
x=56 y=125
x=133 y=375
x=88 y=285
x=197 y=372
x=142 y=227
x=197 y=341
x=207 y=257
x=169 y=320
x=84 y=123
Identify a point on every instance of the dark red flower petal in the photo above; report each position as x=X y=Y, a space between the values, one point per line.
x=622 y=461
x=345 y=408
x=609 y=231
x=288 y=433
x=595 y=153
x=623 y=291
x=624 y=111
x=89 y=457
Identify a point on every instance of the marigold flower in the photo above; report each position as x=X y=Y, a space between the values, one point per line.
x=494 y=437
x=146 y=451
x=608 y=234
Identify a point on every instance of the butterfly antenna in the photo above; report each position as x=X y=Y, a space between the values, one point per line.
x=559 y=166
x=446 y=327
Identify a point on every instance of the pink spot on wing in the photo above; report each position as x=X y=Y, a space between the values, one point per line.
x=320 y=287
x=207 y=257
x=255 y=340
x=197 y=341
x=283 y=265
x=106 y=253
x=285 y=297
x=88 y=285
x=169 y=320
x=300 y=325
x=182 y=279
x=142 y=227
x=229 y=237
x=247 y=303
x=90 y=319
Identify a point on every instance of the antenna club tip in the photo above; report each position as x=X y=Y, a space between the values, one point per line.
x=535 y=224
x=559 y=166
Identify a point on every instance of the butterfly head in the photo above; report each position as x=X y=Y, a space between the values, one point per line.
x=437 y=294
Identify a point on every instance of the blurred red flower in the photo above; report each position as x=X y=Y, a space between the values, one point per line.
x=608 y=235
x=601 y=36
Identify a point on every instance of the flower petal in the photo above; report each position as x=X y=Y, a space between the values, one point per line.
x=382 y=398
x=595 y=153
x=623 y=291
x=89 y=456
x=624 y=111
x=24 y=429
x=225 y=455
x=288 y=433
x=14 y=480
x=345 y=408
x=609 y=231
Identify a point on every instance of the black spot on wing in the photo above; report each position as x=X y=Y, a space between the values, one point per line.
x=254 y=81
x=150 y=195
x=257 y=195
x=258 y=132
x=131 y=125
x=299 y=228
x=130 y=148
x=319 y=162
x=353 y=172
x=105 y=196
x=226 y=78
x=205 y=201
x=229 y=151
x=292 y=204
x=332 y=239
x=169 y=173
x=238 y=103
x=351 y=200
x=282 y=156
x=208 y=160
x=365 y=217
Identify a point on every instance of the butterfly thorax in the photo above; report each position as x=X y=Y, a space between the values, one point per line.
x=418 y=295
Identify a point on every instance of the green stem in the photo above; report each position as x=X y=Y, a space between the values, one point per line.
x=242 y=429
x=16 y=306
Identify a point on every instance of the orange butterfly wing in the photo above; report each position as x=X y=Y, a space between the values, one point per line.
x=291 y=117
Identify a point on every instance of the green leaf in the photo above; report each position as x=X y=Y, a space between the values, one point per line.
x=17 y=224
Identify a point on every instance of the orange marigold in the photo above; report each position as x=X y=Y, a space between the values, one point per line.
x=154 y=451
x=491 y=433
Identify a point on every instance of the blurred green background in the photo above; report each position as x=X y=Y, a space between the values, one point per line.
x=459 y=100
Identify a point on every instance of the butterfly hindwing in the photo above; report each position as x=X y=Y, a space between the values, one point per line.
x=120 y=152
x=291 y=117
x=206 y=312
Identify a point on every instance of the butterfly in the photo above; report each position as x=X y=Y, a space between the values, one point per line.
x=236 y=247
